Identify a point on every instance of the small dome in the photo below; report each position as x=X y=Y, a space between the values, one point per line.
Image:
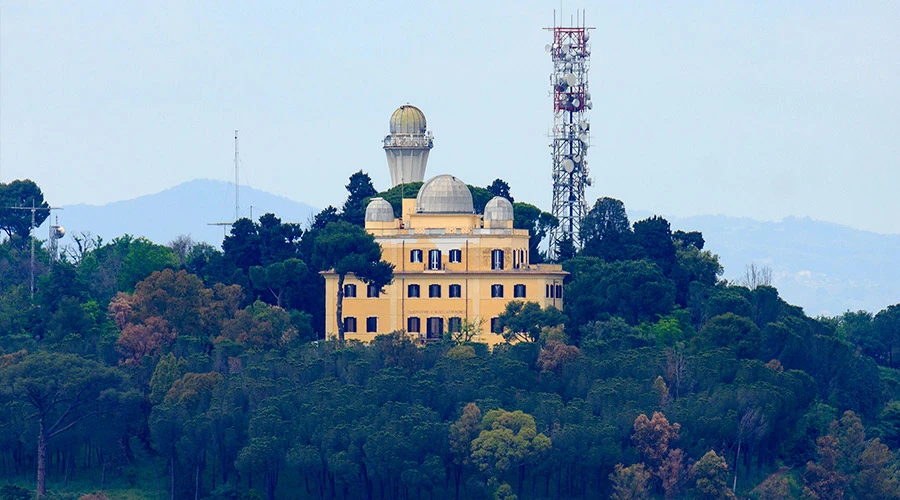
x=499 y=208
x=444 y=194
x=408 y=120
x=379 y=210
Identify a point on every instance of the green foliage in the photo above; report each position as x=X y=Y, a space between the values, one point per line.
x=524 y=321
x=25 y=194
x=359 y=190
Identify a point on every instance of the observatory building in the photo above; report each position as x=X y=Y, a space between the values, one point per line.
x=407 y=145
x=451 y=264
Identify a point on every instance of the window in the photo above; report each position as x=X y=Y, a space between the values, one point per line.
x=372 y=291
x=519 y=291
x=495 y=326
x=454 y=325
x=412 y=325
x=455 y=291
x=434 y=328
x=415 y=256
x=434 y=291
x=497 y=291
x=434 y=260
x=372 y=324
x=412 y=291
x=350 y=290
x=455 y=255
x=496 y=259
x=350 y=324
x=558 y=291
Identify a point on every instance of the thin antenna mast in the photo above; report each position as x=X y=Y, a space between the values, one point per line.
x=33 y=210
x=237 y=205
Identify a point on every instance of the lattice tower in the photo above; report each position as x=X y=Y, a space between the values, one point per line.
x=570 y=137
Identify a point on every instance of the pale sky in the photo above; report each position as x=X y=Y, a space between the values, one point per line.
x=757 y=109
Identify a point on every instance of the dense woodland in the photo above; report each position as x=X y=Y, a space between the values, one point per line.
x=138 y=369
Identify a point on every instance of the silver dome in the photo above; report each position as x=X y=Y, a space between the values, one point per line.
x=379 y=210
x=499 y=208
x=444 y=194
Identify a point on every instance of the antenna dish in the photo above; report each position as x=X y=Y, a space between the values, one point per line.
x=589 y=105
x=547 y=48
x=577 y=158
x=568 y=165
x=566 y=46
x=571 y=79
x=576 y=102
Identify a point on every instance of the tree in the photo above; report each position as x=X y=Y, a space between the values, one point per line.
x=64 y=390
x=508 y=439
x=710 y=475
x=358 y=190
x=538 y=224
x=274 y=279
x=755 y=276
x=500 y=188
x=654 y=235
x=524 y=321
x=462 y=433
x=630 y=483
x=606 y=231
x=25 y=194
x=260 y=244
x=347 y=249
x=887 y=329
x=691 y=238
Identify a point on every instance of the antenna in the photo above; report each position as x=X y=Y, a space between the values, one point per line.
x=570 y=53
x=237 y=190
x=34 y=210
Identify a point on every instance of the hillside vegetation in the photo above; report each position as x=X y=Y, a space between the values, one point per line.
x=181 y=370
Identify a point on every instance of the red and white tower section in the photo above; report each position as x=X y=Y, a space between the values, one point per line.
x=570 y=138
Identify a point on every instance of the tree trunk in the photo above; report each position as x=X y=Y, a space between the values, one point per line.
x=340 y=308
x=172 y=476
x=41 y=460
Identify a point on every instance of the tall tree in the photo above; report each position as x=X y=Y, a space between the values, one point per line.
x=538 y=224
x=345 y=249
x=25 y=194
x=500 y=188
x=359 y=188
x=63 y=389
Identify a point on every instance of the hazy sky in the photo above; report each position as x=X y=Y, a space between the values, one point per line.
x=759 y=109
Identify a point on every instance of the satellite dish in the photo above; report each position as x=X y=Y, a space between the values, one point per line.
x=571 y=79
x=566 y=46
x=587 y=95
x=60 y=231
x=547 y=48
x=576 y=102
x=568 y=165
x=589 y=105
x=577 y=158
x=587 y=35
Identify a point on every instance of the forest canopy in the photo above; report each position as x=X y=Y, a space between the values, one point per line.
x=145 y=369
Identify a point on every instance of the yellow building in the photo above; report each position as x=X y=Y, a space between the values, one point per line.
x=451 y=264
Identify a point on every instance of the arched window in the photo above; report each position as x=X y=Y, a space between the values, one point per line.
x=497 y=259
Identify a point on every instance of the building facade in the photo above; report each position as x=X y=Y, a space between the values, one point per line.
x=450 y=265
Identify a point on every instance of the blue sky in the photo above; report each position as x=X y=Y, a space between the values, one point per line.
x=755 y=109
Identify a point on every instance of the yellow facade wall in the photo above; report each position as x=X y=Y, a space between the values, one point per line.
x=475 y=274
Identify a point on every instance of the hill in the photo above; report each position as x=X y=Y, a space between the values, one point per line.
x=188 y=208
x=826 y=268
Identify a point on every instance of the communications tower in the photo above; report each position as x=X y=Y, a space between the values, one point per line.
x=570 y=137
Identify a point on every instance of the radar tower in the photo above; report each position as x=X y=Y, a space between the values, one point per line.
x=570 y=137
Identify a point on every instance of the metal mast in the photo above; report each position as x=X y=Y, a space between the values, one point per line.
x=570 y=138
x=237 y=205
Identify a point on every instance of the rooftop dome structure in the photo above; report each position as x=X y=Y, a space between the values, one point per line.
x=408 y=120
x=444 y=194
x=498 y=209
x=379 y=210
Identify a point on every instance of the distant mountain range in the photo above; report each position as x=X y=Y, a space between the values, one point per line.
x=825 y=268
x=188 y=208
